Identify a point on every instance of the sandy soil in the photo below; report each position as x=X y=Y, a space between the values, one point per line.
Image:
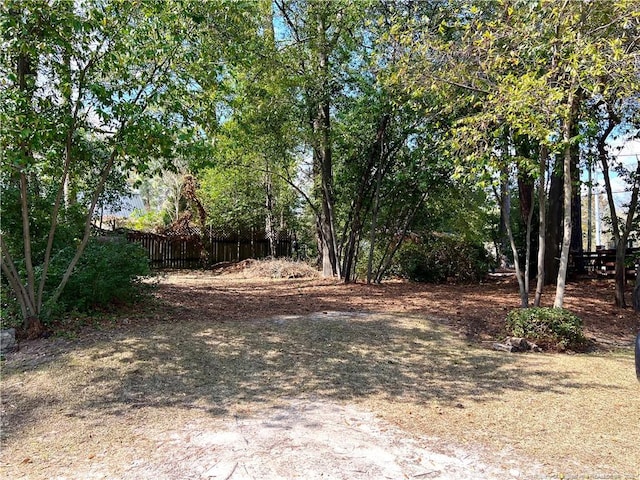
x=310 y=440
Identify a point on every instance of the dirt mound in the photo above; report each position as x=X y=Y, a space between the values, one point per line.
x=269 y=268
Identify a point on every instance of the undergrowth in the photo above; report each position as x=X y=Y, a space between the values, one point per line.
x=549 y=328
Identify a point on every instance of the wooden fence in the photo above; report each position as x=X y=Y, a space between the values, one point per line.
x=602 y=262
x=167 y=251
x=236 y=247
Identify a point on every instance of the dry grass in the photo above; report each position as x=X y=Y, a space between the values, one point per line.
x=271 y=268
x=112 y=395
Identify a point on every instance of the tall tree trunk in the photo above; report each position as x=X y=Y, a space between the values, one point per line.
x=506 y=217
x=322 y=131
x=567 y=190
x=542 y=224
x=325 y=29
x=269 y=217
x=270 y=230
x=620 y=237
x=374 y=226
x=363 y=194
x=566 y=235
x=527 y=256
x=526 y=195
x=330 y=262
x=576 y=247
x=503 y=237
x=621 y=244
x=25 y=69
x=554 y=224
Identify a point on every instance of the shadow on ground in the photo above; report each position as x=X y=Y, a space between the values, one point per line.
x=190 y=356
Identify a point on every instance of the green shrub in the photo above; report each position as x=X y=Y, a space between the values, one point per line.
x=439 y=259
x=550 y=328
x=147 y=221
x=108 y=272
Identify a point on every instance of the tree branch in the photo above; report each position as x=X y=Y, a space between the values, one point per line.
x=8 y=266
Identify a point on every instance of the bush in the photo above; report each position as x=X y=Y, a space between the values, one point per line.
x=108 y=272
x=550 y=328
x=440 y=259
x=147 y=221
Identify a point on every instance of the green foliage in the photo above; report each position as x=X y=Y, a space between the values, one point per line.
x=232 y=197
x=554 y=328
x=147 y=221
x=9 y=307
x=109 y=272
x=440 y=258
x=69 y=224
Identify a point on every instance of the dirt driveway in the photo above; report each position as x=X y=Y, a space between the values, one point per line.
x=231 y=378
x=311 y=439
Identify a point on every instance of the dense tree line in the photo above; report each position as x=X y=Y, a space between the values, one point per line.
x=355 y=123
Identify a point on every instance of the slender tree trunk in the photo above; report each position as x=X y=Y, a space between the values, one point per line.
x=503 y=236
x=26 y=238
x=621 y=244
x=106 y=170
x=526 y=195
x=374 y=226
x=620 y=276
x=527 y=258
x=554 y=224
x=269 y=217
x=330 y=260
x=385 y=263
x=506 y=217
x=620 y=237
x=363 y=194
x=567 y=190
x=349 y=254
x=24 y=70
x=322 y=133
x=65 y=191
x=615 y=229
x=15 y=282
x=566 y=237
x=576 y=247
x=542 y=225
x=270 y=230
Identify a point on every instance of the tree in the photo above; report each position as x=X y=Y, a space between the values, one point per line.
x=613 y=114
x=530 y=68
x=111 y=72
x=319 y=37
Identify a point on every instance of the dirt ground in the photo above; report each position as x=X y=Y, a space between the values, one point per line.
x=477 y=311
x=228 y=377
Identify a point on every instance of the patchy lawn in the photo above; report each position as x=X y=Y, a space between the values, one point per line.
x=215 y=361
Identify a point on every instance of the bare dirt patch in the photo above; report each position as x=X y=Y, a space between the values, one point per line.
x=232 y=377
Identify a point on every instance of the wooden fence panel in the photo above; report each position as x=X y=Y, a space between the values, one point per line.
x=187 y=252
x=602 y=261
